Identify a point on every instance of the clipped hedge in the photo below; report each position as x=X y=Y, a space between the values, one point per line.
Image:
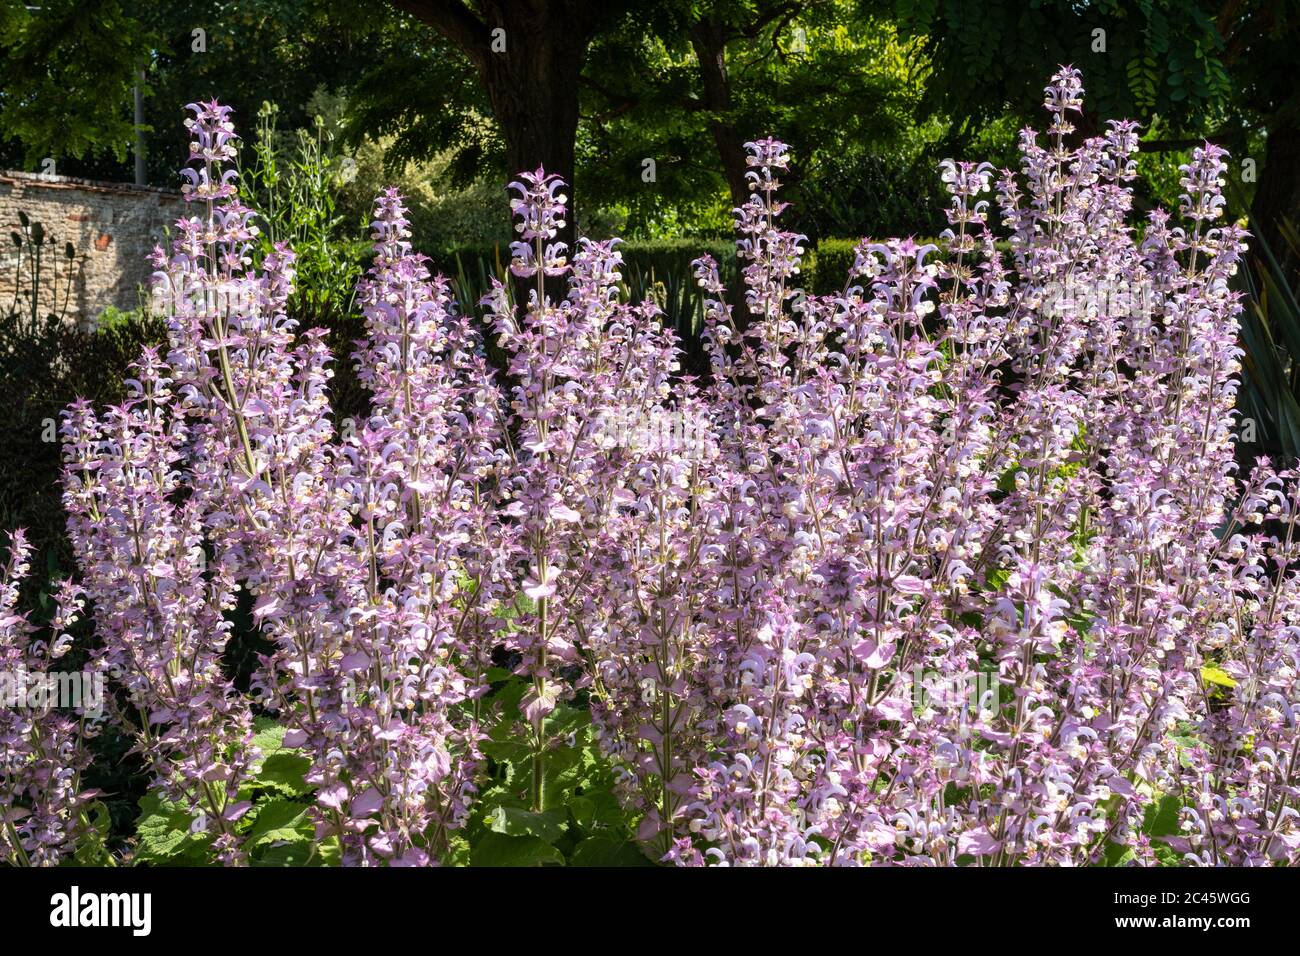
x=661 y=269
x=659 y=258
x=655 y=269
x=43 y=367
x=834 y=257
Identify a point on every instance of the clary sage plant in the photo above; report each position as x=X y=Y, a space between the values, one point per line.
x=952 y=567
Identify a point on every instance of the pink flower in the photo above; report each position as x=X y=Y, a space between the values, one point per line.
x=541 y=584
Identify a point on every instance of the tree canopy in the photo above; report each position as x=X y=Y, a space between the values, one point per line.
x=647 y=107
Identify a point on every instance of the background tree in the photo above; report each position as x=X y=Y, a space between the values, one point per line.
x=69 y=67
x=687 y=84
x=592 y=93
x=529 y=56
x=1190 y=69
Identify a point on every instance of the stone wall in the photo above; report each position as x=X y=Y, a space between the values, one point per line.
x=112 y=227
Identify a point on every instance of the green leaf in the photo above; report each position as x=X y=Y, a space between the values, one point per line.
x=512 y=821
x=279 y=820
x=997 y=578
x=566 y=719
x=507 y=751
x=300 y=853
x=163 y=832
x=268 y=736
x=1161 y=819
x=283 y=768
x=597 y=808
x=1215 y=675
x=1117 y=854
x=284 y=772
x=563 y=774
x=584 y=812
x=1184 y=744
x=497 y=849
x=1007 y=480
x=458 y=850
x=607 y=851
x=1165 y=856
x=505 y=700
x=92 y=847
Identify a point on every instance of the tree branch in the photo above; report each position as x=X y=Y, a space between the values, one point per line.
x=787 y=10
x=612 y=95
x=453 y=20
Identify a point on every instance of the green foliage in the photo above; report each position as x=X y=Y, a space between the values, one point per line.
x=282 y=768
x=293 y=181
x=45 y=363
x=860 y=193
x=280 y=51
x=443 y=115
x=660 y=270
x=1158 y=177
x=1270 y=339
x=64 y=59
x=834 y=259
x=834 y=81
x=277 y=830
x=1217 y=677
x=279 y=821
x=71 y=69
x=164 y=837
x=829 y=78
x=93 y=845
x=496 y=849
x=1161 y=56
x=663 y=257
x=444 y=213
x=580 y=823
x=1160 y=819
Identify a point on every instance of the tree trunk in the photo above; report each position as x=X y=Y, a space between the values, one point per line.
x=708 y=39
x=533 y=86
x=1277 y=196
x=530 y=72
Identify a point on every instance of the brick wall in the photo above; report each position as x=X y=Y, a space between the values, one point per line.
x=112 y=227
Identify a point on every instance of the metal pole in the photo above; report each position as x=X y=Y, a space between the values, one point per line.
x=140 y=178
